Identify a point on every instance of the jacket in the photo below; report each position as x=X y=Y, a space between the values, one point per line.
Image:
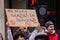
x=52 y=36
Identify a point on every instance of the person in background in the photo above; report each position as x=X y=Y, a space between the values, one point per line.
x=41 y=36
x=23 y=30
x=36 y=30
x=1 y=38
x=50 y=31
x=19 y=36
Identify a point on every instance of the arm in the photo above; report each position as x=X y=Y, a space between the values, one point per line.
x=33 y=35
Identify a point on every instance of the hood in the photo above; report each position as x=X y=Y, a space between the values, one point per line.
x=51 y=33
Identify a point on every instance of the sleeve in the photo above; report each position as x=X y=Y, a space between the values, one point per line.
x=56 y=38
x=9 y=34
x=32 y=37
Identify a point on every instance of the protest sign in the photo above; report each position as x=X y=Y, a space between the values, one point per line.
x=22 y=17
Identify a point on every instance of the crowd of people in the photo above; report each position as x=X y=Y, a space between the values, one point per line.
x=49 y=30
x=39 y=33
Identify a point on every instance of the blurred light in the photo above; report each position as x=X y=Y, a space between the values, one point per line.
x=32 y=1
x=51 y=13
x=43 y=10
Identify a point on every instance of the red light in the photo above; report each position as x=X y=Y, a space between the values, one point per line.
x=32 y=1
x=51 y=13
